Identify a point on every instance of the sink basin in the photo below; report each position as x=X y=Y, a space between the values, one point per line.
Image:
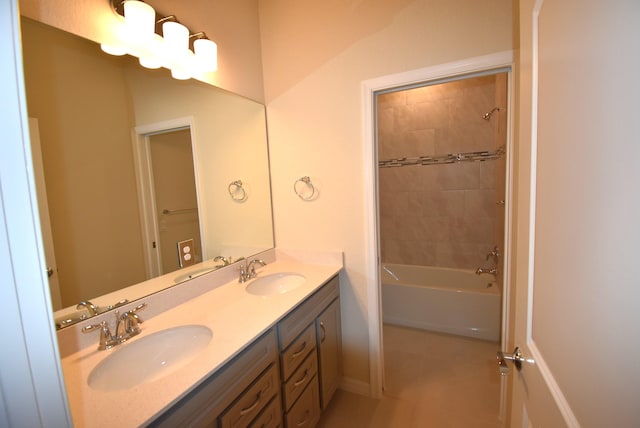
x=149 y=358
x=276 y=283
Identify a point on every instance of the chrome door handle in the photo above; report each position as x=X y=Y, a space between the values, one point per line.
x=516 y=357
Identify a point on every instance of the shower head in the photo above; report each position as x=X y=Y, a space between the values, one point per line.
x=488 y=114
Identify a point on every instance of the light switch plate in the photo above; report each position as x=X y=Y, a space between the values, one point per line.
x=185 y=253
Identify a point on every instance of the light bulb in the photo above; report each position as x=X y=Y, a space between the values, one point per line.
x=117 y=42
x=206 y=54
x=176 y=36
x=113 y=49
x=150 y=54
x=180 y=74
x=140 y=19
x=183 y=65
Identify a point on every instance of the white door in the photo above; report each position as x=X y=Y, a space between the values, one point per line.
x=578 y=218
x=43 y=208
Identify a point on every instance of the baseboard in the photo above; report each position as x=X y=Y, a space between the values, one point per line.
x=355 y=386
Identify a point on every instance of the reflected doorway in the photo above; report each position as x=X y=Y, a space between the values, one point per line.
x=168 y=196
x=176 y=203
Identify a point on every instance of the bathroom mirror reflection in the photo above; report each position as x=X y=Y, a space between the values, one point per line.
x=94 y=116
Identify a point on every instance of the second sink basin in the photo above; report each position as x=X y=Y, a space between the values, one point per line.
x=149 y=358
x=276 y=283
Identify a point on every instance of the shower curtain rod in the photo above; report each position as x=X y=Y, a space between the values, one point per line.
x=443 y=159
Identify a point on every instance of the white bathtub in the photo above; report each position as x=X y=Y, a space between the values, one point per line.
x=446 y=300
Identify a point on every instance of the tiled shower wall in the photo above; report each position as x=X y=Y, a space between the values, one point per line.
x=442 y=215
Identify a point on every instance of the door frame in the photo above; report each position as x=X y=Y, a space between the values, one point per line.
x=144 y=183
x=32 y=391
x=370 y=88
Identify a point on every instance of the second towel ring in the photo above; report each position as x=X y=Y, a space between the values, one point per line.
x=237 y=192
x=306 y=181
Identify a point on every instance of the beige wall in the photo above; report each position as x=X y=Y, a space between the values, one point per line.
x=229 y=137
x=315 y=57
x=86 y=146
x=233 y=25
x=441 y=215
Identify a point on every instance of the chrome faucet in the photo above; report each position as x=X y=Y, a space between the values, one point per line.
x=493 y=271
x=127 y=325
x=251 y=268
x=224 y=260
x=126 y=328
x=248 y=269
x=90 y=307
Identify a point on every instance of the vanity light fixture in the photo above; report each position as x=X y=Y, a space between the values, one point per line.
x=206 y=52
x=136 y=36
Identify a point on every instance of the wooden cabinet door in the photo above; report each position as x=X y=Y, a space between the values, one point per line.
x=329 y=334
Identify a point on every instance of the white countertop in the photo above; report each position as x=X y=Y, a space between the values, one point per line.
x=235 y=317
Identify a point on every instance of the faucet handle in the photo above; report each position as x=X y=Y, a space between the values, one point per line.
x=106 y=339
x=242 y=269
x=131 y=321
x=140 y=307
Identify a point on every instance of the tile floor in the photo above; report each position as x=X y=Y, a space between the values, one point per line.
x=432 y=380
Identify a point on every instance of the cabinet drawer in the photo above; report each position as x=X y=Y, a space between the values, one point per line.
x=300 y=379
x=306 y=412
x=298 y=320
x=271 y=416
x=295 y=354
x=203 y=406
x=252 y=401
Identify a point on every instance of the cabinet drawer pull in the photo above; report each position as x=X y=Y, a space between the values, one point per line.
x=300 y=352
x=324 y=332
x=302 y=380
x=304 y=420
x=252 y=407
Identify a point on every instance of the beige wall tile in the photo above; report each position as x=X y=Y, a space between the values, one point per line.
x=444 y=215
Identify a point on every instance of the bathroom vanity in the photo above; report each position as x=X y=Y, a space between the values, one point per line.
x=287 y=372
x=271 y=360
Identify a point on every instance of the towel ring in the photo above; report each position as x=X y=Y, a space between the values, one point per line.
x=237 y=192
x=307 y=182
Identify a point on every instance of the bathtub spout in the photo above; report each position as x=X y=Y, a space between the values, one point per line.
x=493 y=271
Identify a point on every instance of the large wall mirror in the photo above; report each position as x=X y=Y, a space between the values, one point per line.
x=96 y=121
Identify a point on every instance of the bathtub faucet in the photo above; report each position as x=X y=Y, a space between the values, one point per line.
x=493 y=271
x=495 y=255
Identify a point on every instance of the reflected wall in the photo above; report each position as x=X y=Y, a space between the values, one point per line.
x=89 y=106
